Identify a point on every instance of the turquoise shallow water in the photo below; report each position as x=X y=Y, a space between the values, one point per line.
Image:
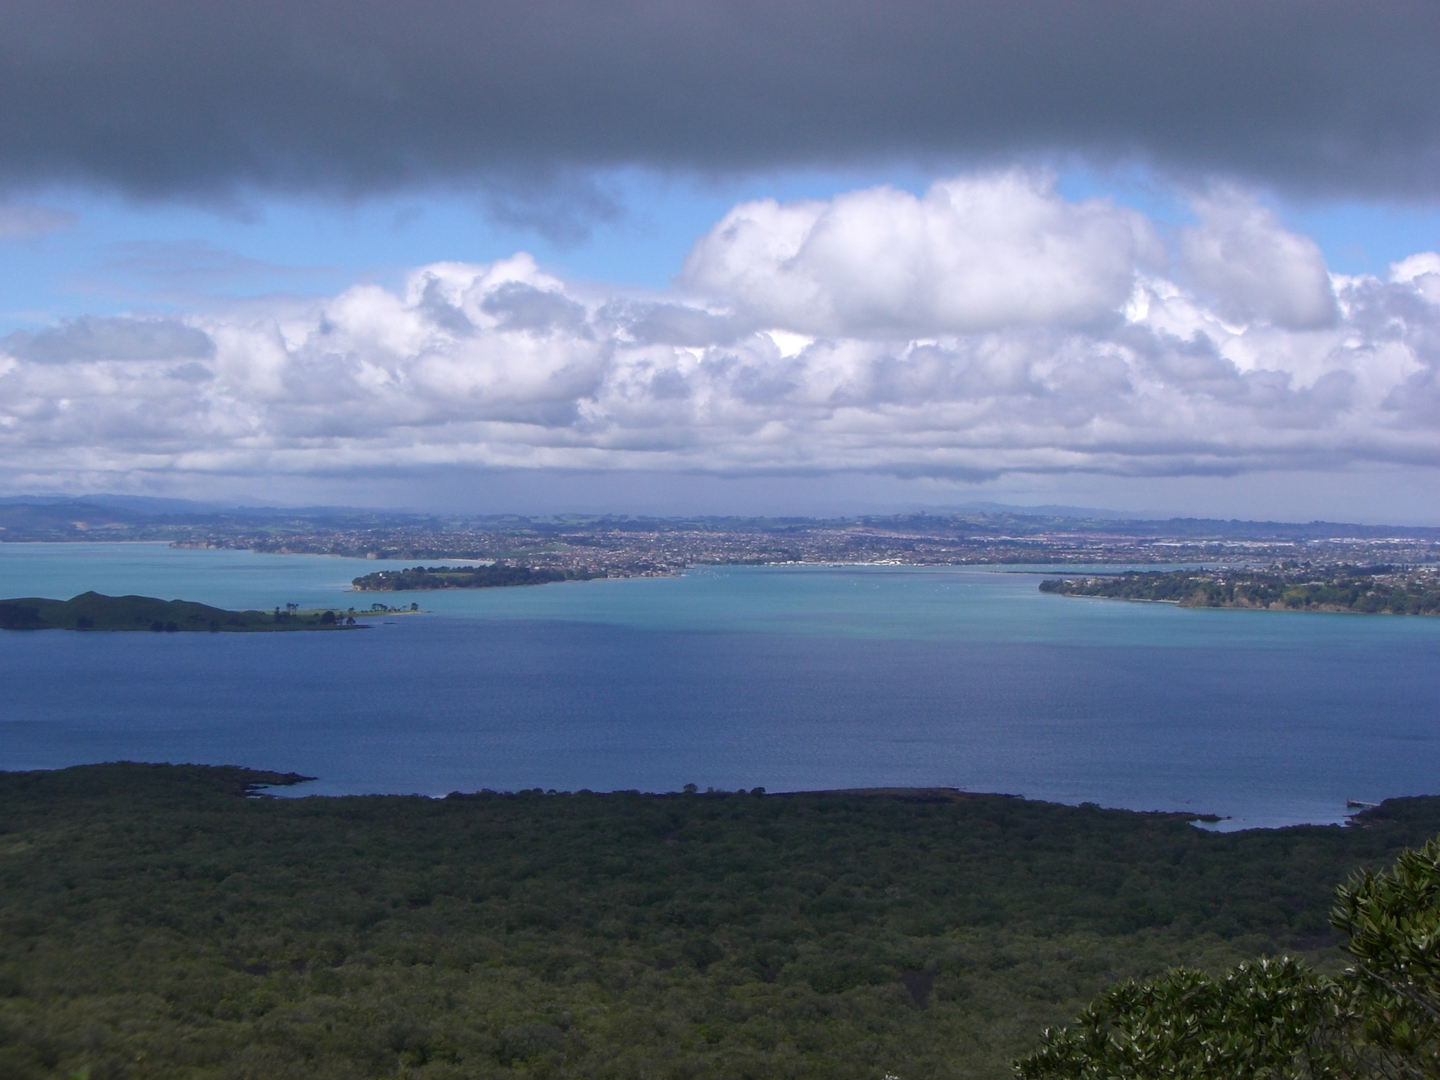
x=786 y=677
x=232 y=579
x=891 y=602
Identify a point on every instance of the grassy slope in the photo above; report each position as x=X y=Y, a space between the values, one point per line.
x=95 y=611
x=155 y=922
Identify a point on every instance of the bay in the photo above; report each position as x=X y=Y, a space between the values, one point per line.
x=783 y=677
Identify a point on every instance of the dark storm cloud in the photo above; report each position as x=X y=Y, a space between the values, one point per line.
x=163 y=98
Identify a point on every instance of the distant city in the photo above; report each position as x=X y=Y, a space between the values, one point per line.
x=623 y=546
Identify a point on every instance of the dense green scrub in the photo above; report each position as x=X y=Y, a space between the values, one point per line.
x=464 y=577
x=95 y=611
x=1379 y=1019
x=1373 y=590
x=156 y=922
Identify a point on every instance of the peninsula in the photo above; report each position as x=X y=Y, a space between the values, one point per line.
x=1376 y=590
x=494 y=576
x=95 y=611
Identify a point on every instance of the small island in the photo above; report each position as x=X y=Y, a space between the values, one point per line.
x=494 y=576
x=1375 y=590
x=95 y=611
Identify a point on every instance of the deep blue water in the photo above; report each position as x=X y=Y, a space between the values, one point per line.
x=783 y=678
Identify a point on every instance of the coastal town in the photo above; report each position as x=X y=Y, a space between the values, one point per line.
x=625 y=546
x=641 y=547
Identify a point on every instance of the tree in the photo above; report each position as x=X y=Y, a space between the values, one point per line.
x=1277 y=1018
x=1392 y=922
x=1266 y=1018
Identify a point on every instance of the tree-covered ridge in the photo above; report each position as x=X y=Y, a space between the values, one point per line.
x=155 y=922
x=95 y=611
x=464 y=577
x=1372 y=590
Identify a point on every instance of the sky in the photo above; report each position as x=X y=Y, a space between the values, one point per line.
x=725 y=257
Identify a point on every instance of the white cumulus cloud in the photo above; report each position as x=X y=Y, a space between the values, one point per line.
x=1253 y=268
x=1042 y=339
x=972 y=254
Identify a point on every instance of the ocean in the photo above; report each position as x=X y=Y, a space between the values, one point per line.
x=787 y=678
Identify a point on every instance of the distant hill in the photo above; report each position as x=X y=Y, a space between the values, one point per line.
x=95 y=611
x=104 y=518
x=125 y=517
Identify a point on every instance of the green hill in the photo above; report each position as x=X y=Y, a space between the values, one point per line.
x=95 y=611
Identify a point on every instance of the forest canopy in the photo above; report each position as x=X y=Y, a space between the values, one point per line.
x=156 y=921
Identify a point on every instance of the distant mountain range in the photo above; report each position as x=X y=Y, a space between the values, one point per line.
x=1085 y=513
x=100 y=517
x=151 y=506
x=132 y=517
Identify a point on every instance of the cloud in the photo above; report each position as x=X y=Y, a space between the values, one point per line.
x=561 y=204
x=91 y=339
x=158 y=99
x=21 y=221
x=1422 y=271
x=501 y=365
x=1253 y=268
x=652 y=322
x=518 y=306
x=194 y=265
x=972 y=255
